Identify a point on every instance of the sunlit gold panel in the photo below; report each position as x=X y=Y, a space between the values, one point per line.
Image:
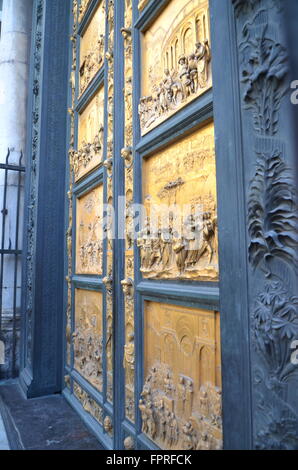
x=87 y=337
x=182 y=178
x=181 y=398
x=176 y=57
x=89 y=233
x=90 y=136
x=92 y=48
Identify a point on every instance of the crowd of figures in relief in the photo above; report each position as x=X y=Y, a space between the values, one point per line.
x=165 y=401
x=166 y=253
x=91 y=63
x=177 y=86
x=87 y=337
x=88 y=153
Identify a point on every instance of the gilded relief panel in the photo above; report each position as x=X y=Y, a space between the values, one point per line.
x=181 y=400
x=90 y=136
x=87 y=337
x=92 y=48
x=179 y=237
x=176 y=59
x=89 y=239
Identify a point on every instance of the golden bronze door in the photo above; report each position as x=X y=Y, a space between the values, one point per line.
x=142 y=360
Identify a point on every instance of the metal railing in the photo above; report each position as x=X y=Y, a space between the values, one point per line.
x=11 y=192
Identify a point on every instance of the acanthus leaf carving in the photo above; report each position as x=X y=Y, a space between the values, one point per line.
x=275 y=326
x=249 y=6
x=279 y=430
x=263 y=72
x=272 y=225
x=272 y=212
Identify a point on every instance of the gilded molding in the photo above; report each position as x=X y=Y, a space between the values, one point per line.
x=71 y=154
x=108 y=280
x=127 y=155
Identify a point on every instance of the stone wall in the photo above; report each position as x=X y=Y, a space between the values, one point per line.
x=14 y=68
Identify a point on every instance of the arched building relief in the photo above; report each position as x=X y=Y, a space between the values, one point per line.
x=206 y=364
x=188 y=39
x=181 y=398
x=176 y=60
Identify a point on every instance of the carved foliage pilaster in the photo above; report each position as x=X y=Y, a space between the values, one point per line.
x=109 y=171
x=248 y=6
x=34 y=164
x=71 y=154
x=272 y=225
x=127 y=155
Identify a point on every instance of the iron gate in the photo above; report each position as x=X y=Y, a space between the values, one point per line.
x=11 y=186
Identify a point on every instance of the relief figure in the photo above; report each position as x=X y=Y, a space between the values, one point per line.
x=129 y=359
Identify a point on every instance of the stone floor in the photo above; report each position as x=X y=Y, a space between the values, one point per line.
x=3 y=437
x=47 y=423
